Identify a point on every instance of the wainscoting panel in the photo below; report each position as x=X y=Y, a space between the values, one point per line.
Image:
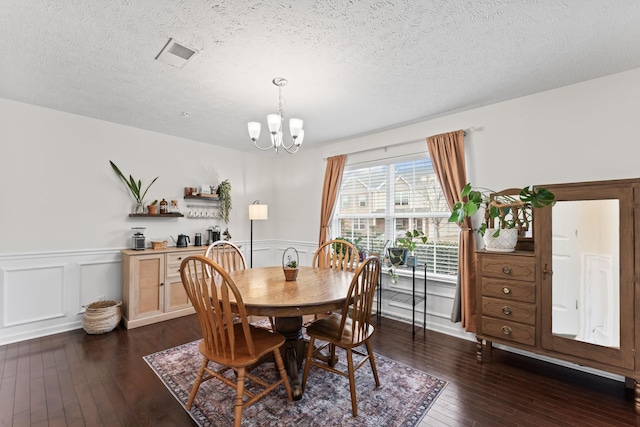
x=32 y=294
x=44 y=293
x=100 y=280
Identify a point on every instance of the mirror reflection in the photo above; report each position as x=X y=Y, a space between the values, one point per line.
x=586 y=278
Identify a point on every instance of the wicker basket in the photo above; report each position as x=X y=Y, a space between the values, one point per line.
x=159 y=245
x=290 y=274
x=101 y=317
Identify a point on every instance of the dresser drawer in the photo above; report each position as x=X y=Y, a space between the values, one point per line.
x=509 y=267
x=509 y=310
x=509 y=331
x=508 y=289
x=175 y=259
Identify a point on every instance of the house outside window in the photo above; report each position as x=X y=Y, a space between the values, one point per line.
x=399 y=196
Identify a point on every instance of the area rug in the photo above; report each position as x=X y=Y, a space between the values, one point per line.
x=403 y=398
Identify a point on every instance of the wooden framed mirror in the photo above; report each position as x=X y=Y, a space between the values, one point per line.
x=587 y=249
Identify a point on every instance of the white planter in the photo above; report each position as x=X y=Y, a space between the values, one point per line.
x=505 y=242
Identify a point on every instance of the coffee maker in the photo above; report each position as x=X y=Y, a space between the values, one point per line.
x=213 y=234
x=138 y=241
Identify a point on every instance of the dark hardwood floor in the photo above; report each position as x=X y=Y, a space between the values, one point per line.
x=75 y=379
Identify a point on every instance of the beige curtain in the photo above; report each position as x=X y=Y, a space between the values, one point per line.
x=332 y=181
x=447 y=154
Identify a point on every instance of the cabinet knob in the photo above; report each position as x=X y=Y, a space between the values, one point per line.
x=161 y=284
x=506 y=330
x=506 y=310
x=506 y=269
x=506 y=290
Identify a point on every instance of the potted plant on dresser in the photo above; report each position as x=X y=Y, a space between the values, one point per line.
x=506 y=216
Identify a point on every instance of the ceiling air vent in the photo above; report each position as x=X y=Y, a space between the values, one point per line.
x=176 y=54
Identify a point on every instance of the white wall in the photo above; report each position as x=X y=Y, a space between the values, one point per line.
x=583 y=132
x=60 y=193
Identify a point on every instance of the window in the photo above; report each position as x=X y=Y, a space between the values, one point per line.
x=394 y=198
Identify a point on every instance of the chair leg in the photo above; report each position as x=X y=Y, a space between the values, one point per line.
x=373 y=363
x=196 y=384
x=352 y=382
x=333 y=360
x=239 y=394
x=283 y=374
x=307 y=362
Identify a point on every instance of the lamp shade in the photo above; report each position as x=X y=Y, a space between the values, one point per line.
x=254 y=130
x=258 y=212
x=295 y=126
x=274 y=121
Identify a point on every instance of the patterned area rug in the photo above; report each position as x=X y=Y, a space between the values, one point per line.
x=403 y=398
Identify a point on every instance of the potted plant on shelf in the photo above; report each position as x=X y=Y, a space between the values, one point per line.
x=290 y=266
x=404 y=245
x=224 y=194
x=135 y=187
x=153 y=207
x=510 y=215
x=409 y=242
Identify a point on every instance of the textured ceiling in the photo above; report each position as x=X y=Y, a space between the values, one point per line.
x=354 y=66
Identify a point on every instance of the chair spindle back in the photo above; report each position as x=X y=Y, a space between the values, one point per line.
x=217 y=303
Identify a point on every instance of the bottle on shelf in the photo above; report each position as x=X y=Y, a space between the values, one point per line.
x=163 y=207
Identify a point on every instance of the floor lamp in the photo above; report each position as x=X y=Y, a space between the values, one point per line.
x=256 y=212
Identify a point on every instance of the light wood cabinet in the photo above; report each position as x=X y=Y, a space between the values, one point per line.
x=574 y=295
x=152 y=289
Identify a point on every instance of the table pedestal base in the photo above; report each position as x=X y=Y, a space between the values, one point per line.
x=293 y=350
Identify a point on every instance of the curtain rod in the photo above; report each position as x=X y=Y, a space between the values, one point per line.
x=385 y=147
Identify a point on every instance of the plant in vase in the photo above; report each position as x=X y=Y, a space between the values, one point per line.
x=409 y=242
x=135 y=187
x=510 y=215
x=405 y=245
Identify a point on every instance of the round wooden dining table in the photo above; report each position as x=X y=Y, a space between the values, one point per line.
x=265 y=292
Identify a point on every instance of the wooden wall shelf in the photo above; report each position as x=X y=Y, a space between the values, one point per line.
x=204 y=198
x=167 y=215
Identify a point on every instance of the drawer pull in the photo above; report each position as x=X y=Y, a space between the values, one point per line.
x=506 y=290
x=506 y=269
x=506 y=330
x=506 y=310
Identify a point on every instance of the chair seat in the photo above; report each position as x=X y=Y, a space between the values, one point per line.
x=264 y=342
x=327 y=329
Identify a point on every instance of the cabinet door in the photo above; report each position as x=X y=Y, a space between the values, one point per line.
x=148 y=272
x=587 y=249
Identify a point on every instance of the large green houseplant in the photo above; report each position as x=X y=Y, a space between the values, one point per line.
x=506 y=212
x=135 y=187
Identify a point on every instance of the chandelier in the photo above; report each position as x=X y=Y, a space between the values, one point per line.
x=275 y=121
